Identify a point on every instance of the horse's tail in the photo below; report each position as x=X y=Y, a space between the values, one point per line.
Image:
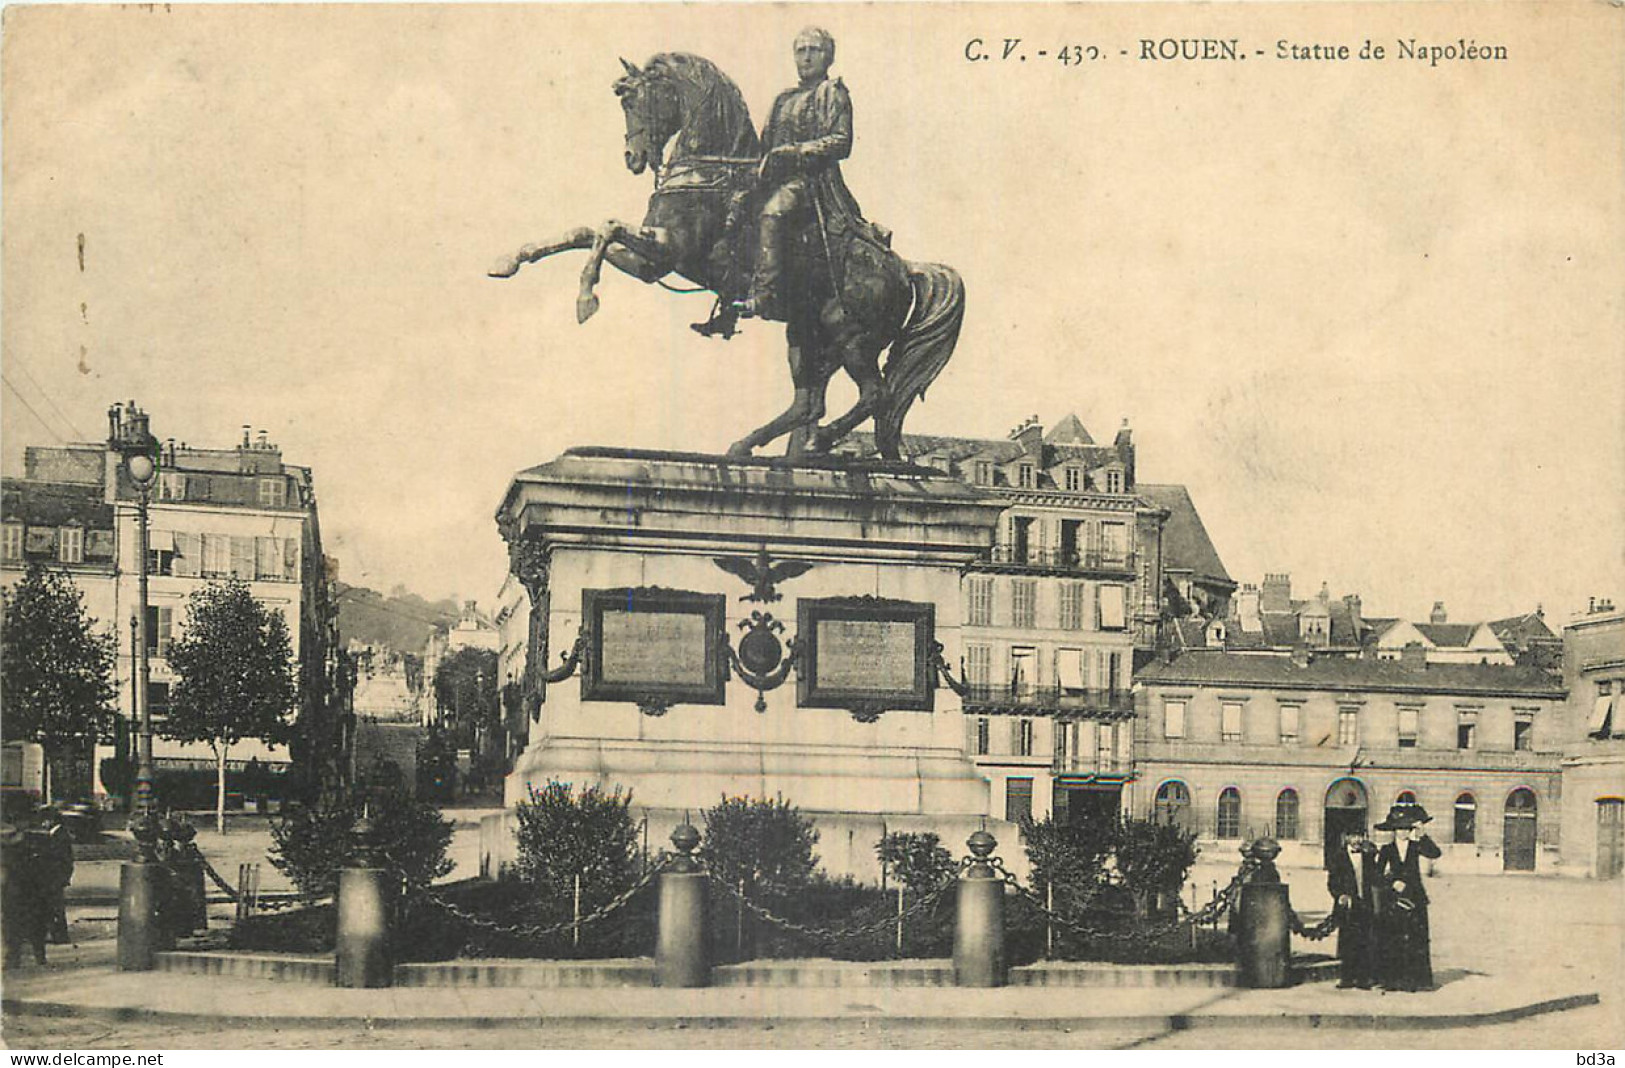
x=921 y=349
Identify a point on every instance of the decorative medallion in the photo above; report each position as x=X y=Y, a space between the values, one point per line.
x=761 y=661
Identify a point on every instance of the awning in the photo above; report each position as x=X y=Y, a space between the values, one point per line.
x=1069 y=668
x=1113 y=609
x=161 y=541
x=1598 y=724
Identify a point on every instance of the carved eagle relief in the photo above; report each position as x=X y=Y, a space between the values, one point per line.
x=762 y=573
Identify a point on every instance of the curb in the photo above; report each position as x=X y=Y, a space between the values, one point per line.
x=1169 y=1022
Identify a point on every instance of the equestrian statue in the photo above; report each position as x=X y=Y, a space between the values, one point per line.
x=769 y=226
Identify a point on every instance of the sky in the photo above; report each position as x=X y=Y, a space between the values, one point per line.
x=1369 y=312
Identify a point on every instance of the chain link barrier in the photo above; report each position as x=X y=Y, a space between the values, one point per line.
x=538 y=932
x=833 y=937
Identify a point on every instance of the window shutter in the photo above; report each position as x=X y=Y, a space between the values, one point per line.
x=290 y=558
x=242 y=557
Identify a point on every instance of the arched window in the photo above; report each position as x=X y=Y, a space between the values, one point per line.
x=1174 y=804
x=1406 y=797
x=1229 y=821
x=1466 y=819
x=1286 y=814
x=1522 y=801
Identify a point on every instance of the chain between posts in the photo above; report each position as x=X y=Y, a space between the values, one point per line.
x=834 y=936
x=539 y=931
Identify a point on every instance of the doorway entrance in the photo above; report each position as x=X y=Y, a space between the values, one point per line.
x=1610 y=837
x=1518 y=834
x=1347 y=806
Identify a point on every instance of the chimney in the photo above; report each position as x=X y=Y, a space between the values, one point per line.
x=1351 y=601
x=1029 y=435
x=247 y=430
x=1246 y=606
x=1325 y=594
x=1414 y=657
x=1276 y=595
x=1125 y=452
x=264 y=441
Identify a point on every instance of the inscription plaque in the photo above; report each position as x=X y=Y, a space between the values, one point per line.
x=654 y=645
x=865 y=653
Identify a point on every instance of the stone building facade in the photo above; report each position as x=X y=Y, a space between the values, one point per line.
x=1594 y=746
x=1234 y=745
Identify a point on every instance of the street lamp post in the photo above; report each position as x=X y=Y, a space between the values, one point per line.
x=133 y=438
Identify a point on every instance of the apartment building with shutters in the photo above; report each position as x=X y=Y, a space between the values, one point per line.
x=214 y=513
x=1593 y=837
x=1058 y=609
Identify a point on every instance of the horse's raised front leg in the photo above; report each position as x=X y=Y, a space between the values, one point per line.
x=643 y=252
x=580 y=237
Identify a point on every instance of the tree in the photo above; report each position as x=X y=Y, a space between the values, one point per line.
x=467 y=696
x=767 y=845
x=56 y=669
x=918 y=860
x=234 y=663
x=310 y=845
x=563 y=836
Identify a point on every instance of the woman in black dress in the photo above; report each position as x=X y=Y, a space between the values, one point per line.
x=1404 y=958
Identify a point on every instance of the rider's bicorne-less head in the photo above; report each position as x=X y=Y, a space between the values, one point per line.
x=815 y=51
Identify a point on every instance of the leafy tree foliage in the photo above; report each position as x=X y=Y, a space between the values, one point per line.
x=310 y=845
x=563 y=834
x=469 y=700
x=1153 y=859
x=56 y=668
x=1092 y=861
x=919 y=861
x=234 y=663
x=766 y=844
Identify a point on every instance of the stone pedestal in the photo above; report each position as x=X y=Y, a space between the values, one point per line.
x=1264 y=936
x=751 y=538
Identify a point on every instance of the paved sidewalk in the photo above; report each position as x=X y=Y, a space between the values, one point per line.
x=86 y=985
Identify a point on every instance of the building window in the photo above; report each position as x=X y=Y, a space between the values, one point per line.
x=13 y=549
x=1024 y=476
x=268 y=559
x=273 y=492
x=1018 y=800
x=1290 y=716
x=1113 y=543
x=1348 y=726
x=1023 y=671
x=984 y=734
x=216 y=556
x=160 y=628
x=1230 y=722
x=1114 y=481
x=1173 y=719
x=978 y=665
x=1023 y=602
x=171 y=486
x=158 y=701
x=1466 y=728
x=1286 y=814
x=1406 y=797
x=1173 y=805
x=984 y=472
x=70 y=545
x=1113 y=608
x=981 y=602
x=1466 y=819
x=1072 y=594
x=1523 y=730
x=1105 y=734
x=1022 y=737
x=1074 y=480
x=1409 y=721
x=1115 y=679
x=1229 y=821
x=1069 y=669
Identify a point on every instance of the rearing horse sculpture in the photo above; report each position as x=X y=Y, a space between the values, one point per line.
x=699 y=226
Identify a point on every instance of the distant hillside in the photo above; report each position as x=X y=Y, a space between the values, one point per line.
x=403 y=621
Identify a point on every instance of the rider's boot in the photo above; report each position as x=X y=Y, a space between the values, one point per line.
x=764 y=286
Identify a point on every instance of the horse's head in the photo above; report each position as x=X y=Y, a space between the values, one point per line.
x=651 y=104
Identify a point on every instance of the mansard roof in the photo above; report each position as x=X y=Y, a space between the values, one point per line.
x=55 y=504
x=1207 y=667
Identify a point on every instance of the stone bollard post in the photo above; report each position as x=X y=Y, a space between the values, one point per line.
x=1264 y=921
x=979 y=920
x=143 y=889
x=680 y=952
x=363 y=956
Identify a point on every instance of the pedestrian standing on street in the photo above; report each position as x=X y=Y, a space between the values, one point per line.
x=56 y=848
x=1405 y=960
x=1352 y=880
x=21 y=914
